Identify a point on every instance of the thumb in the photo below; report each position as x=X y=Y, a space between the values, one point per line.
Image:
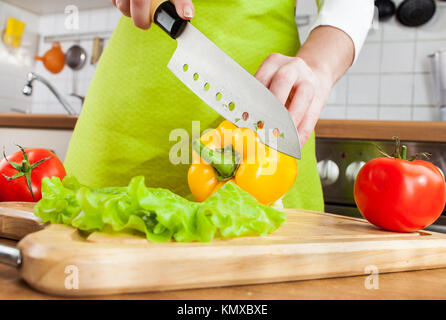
x=185 y=8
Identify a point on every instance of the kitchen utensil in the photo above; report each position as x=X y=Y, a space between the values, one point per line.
x=310 y=245
x=12 y=35
x=414 y=13
x=224 y=85
x=438 y=71
x=17 y=220
x=386 y=9
x=98 y=47
x=53 y=59
x=76 y=58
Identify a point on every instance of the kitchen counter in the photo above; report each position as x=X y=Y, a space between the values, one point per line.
x=346 y=129
x=37 y=121
x=427 y=284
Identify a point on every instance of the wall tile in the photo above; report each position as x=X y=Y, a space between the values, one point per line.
x=394 y=31
x=363 y=89
x=394 y=113
x=435 y=28
x=398 y=57
x=396 y=89
x=114 y=15
x=375 y=35
x=333 y=112
x=362 y=112
x=423 y=49
x=338 y=94
x=425 y=113
x=98 y=20
x=368 y=60
x=423 y=90
x=47 y=24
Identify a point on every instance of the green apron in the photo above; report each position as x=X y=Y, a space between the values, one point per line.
x=134 y=101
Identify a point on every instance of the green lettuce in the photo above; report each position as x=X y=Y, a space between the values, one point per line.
x=157 y=213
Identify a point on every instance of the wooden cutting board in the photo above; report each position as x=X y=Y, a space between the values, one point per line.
x=60 y=260
x=17 y=220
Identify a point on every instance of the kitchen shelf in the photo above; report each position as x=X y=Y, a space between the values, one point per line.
x=77 y=36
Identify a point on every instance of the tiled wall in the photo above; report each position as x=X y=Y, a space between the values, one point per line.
x=99 y=20
x=15 y=64
x=391 y=79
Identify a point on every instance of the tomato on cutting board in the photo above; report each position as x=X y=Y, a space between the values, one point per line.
x=398 y=194
x=22 y=172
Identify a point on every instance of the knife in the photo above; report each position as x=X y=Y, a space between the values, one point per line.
x=224 y=85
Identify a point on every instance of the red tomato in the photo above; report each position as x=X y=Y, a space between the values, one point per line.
x=17 y=189
x=400 y=195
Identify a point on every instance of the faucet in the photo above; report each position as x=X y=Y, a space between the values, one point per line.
x=28 y=90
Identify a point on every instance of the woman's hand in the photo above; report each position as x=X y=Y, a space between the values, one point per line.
x=303 y=90
x=139 y=10
x=303 y=83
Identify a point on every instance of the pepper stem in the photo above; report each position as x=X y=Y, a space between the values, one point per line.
x=225 y=161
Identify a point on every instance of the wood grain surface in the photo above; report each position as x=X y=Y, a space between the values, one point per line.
x=38 y=121
x=309 y=246
x=426 y=284
x=348 y=129
x=17 y=220
x=382 y=130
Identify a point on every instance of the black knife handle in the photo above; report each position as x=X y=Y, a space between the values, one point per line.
x=167 y=18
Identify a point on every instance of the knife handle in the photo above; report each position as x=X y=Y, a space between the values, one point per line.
x=166 y=17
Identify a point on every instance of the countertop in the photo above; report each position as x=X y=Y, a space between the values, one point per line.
x=347 y=129
x=427 y=284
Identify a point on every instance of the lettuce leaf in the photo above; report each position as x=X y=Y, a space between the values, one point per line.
x=157 y=213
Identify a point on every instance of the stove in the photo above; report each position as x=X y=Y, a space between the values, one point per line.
x=339 y=161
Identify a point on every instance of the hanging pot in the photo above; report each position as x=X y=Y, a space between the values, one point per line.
x=386 y=9
x=53 y=59
x=414 y=13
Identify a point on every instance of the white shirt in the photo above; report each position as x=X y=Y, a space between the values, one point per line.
x=354 y=17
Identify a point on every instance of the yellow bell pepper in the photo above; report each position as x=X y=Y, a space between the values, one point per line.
x=228 y=153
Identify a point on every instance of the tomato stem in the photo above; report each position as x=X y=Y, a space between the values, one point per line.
x=225 y=161
x=401 y=152
x=24 y=169
x=404 y=152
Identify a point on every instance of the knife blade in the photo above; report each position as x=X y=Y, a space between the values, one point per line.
x=224 y=85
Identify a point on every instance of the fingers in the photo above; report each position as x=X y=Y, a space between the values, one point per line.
x=123 y=6
x=283 y=82
x=140 y=13
x=301 y=102
x=308 y=124
x=268 y=68
x=185 y=8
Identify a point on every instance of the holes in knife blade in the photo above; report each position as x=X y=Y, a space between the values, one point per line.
x=206 y=86
x=276 y=133
x=245 y=116
x=260 y=124
x=196 y=76
x=185 y=67
x=218 y=96
x=231 y=106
